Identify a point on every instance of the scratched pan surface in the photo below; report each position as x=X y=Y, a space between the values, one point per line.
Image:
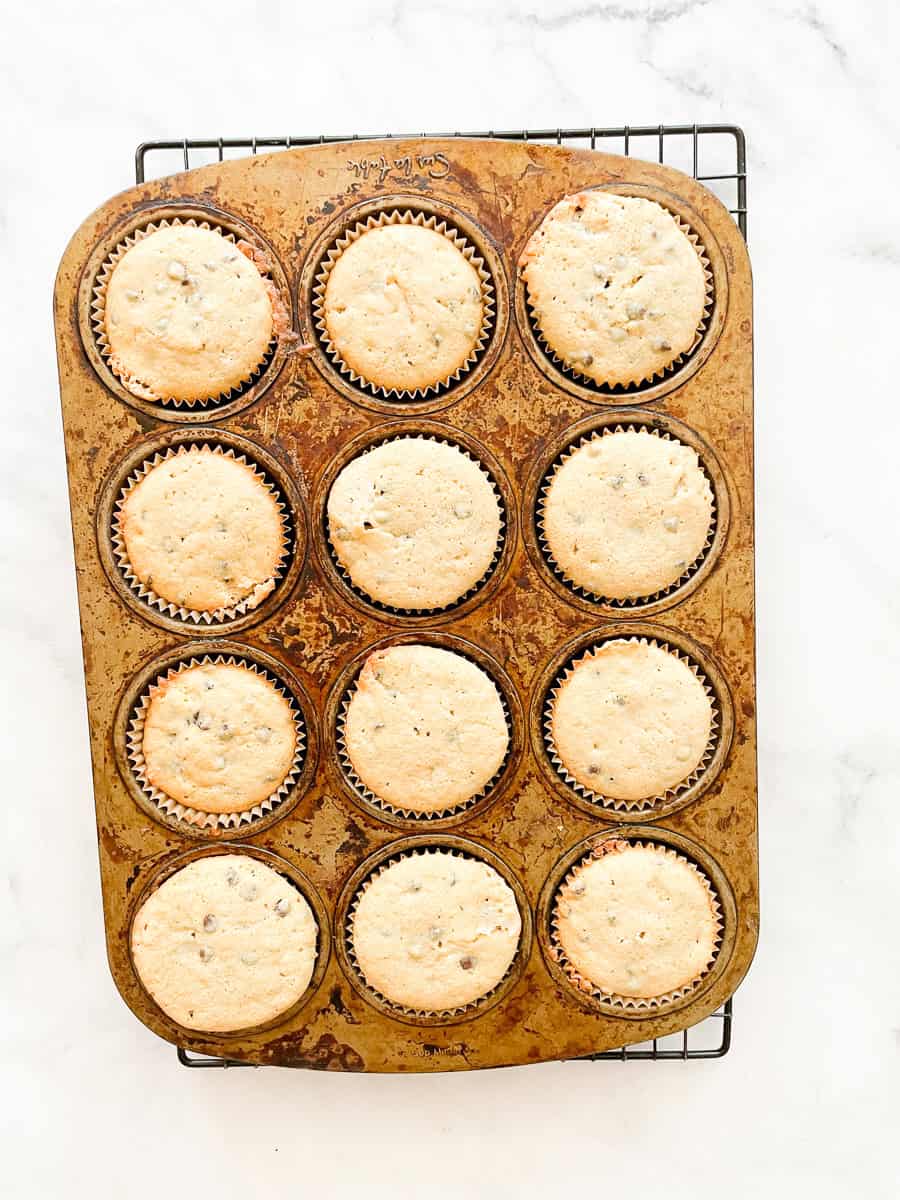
x=515 y=409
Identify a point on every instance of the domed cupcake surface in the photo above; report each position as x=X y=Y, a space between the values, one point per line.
x=187 y=315
x=425 y=728
x=616 y=286
x=225 y=943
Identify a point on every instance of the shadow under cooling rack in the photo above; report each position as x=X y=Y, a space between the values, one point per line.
x=714 y=155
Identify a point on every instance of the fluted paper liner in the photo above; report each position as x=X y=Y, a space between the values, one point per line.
x=280 y=319
x=690 y=569
x=661 y=373
x=648 y=803
x=476 y=586
x=615 y=1001
x=403 y=217
x=147 y=594
x=192 y=816
x=365 y=794
x=424 y=1014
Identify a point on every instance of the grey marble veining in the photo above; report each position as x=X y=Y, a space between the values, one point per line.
x=806 y=1103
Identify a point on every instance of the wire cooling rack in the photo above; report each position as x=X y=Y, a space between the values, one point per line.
x=716 y=156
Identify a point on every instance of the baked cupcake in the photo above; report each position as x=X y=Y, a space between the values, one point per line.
x=217 y=737
x=616 y=286
x=434 y=931
x=636 y=920
x=414 y=522
x=186 y=315
x=424 y=730
x=202 y=530
x=626 y=514
x=403 y=307
x=224 y=943
x=630 y=720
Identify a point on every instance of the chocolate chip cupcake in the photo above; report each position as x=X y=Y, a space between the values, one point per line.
x=201 y=530
x=186 y=314
x=403 y=307
x=616 y=285
x=225 y=943
x=217 y=738
x=637 y=921
x=626 y=514
x=434 y=931
x=630 y=720
x=414 y=522
x=424 y=729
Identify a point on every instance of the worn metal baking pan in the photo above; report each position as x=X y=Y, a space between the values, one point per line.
x=515 y=410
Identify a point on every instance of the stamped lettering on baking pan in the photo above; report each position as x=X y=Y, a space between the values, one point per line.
x=435 y=166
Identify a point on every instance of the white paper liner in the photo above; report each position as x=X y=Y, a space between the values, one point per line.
x=375 y=801
x=661 y=373
x=426 y=221
x=197 y=818
x=98 y=312
x=147 y=594
x=613 y=999
x=690 y=569
x=425 y=1014
x=479 y=583
x=645 y=804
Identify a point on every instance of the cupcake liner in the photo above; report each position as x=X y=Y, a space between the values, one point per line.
x=479 y=583
x=147 y=594
x=196 y=818
x=624 y=389
x=426 y=221
x=613 y=1000
x=629 y=602
x=374 y=801
x=420 y=1013
x=646 y=804
x=294 y=877
x=280 y=318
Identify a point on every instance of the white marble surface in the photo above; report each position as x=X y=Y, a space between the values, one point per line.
x=806 y=1103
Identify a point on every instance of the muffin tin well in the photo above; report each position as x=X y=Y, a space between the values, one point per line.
x=343 y=769
x=516 y=413
x=402 y=848
x=90 y=300
x=141 y=598
x=619 y=1006
x=675 y=798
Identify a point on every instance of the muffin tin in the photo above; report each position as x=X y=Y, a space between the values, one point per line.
x=515 y=411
